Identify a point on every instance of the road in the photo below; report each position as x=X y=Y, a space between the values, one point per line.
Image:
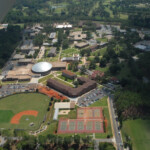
x=117 y=133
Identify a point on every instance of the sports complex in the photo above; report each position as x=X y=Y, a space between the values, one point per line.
x=89 y=120
x=23 y=111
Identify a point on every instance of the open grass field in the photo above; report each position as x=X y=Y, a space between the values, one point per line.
x=139 y=132
x=12 y=105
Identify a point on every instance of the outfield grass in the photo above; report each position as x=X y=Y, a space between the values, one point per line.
x=5 y=116
x=22 y=102
x=139 y=132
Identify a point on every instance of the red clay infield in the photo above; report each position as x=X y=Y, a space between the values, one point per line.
x=17 y=117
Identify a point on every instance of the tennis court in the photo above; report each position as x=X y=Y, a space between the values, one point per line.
x=90 y=113
x=80 y=126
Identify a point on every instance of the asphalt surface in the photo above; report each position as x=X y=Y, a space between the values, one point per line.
x=91 y=97
x=117 y=133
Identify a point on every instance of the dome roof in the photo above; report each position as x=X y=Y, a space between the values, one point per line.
x=42 y=67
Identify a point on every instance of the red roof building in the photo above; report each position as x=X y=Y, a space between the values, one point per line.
x=68 y=74
x=96 y=74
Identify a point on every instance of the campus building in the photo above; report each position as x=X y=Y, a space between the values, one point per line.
x=85 y=86
x=52 y=52
x=69 y=74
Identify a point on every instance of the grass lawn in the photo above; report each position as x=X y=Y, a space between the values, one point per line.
x=100 y=103
x=139 y=132
x=99 y=51
x=22 y=102
x=69 y=52
x=123 y=16
x=63 y=82
x=104 y=69
x=101 y=40
x=63 y=78
x=71 y=115
x=45 y=78
x=7 y=82
x=108 y=129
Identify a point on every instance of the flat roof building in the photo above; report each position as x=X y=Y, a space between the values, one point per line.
x=52 y=35
x=31 y=53
x=86 y=86
x=81 y=45
x=63 y=26
x=57 y=65
x=52 y=52
x=77 y=36
x=25 y=62
x=27 y=46
x=68 y=74
x=75 y=57
x=62 y=105
x=18 y=56
x=19 y=73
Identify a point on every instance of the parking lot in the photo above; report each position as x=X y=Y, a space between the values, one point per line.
x=91 y=97
x=6 y=90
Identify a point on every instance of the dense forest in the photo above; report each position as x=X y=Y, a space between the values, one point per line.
x=133 y=13
x=8 y=42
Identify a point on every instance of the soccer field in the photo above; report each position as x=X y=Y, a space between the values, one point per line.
x=12 y=105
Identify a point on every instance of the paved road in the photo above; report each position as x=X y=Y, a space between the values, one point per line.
x=117 y=133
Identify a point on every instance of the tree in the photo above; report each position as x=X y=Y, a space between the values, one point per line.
x=67 y=141
x=76 y=83
x=96 y=59
x=106 y=146
x=114 y=69
x=77 y=139
x=88 y=34
x=65 y=44
x=59 y=141
x=38 y=41
x=42 y=140
x=83 y=70
x=92 y=65
x=103 y=62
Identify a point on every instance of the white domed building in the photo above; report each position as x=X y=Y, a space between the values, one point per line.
x=42 y=68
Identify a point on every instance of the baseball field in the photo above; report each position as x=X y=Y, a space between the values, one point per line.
x=23 y=111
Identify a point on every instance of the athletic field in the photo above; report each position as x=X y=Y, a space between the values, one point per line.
x=89 y=120
x=23 y=111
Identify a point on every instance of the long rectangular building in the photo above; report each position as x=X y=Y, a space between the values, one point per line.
x=86 y=86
